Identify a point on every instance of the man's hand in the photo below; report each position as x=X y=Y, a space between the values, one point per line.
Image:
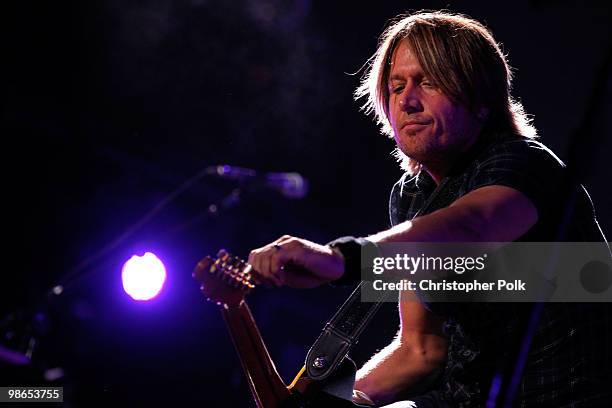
x=296 y=262
x=360 y=397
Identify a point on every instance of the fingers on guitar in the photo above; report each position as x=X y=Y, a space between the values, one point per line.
x=269 y=260
x=263 y=265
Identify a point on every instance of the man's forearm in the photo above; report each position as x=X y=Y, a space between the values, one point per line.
x=443 y=225
x=395 y=369
x=488 y=214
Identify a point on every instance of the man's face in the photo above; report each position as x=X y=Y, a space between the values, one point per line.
x=427 y=125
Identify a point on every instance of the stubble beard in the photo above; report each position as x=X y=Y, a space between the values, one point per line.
x=421 y=148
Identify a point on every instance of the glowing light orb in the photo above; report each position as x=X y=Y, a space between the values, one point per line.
x=143 y=277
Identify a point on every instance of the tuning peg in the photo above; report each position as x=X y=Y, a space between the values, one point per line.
x=223 y=254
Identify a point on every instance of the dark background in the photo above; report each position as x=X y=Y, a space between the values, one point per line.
x=109 y=106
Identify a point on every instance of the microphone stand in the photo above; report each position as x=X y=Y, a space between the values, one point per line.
x=20 y=330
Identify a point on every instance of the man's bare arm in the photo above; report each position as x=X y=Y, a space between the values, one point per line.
x=412 y=360
x=489 y=214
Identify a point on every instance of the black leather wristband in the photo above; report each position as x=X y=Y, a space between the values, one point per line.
x=351 y=249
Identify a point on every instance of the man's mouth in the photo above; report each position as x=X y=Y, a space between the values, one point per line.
x=413 y=124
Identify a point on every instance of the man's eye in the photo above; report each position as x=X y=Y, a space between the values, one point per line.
x=397 y=89
x=427 y=84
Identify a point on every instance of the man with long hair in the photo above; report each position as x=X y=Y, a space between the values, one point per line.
x=440 y=85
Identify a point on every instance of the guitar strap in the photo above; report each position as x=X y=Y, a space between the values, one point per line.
x=344 y=328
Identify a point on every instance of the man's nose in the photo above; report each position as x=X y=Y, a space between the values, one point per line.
x=410 y=101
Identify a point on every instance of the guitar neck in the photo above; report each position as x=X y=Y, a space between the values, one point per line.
x=267 y=387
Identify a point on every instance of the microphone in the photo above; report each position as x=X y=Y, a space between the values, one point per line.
x=290 y=185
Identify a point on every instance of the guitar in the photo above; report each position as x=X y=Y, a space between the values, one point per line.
x=226 y=281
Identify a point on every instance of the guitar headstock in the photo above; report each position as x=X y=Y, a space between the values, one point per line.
x=224 y=280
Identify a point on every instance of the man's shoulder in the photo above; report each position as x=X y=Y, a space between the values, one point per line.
x=520 y=148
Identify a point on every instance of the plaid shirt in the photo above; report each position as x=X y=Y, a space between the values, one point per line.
x=570 y=356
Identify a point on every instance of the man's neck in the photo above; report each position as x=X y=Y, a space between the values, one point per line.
x=440 y=167
x=436 y=173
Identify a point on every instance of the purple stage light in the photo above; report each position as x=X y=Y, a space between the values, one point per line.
x=143 y=276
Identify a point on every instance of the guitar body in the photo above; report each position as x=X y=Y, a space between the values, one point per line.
x=225 y=281
x=320 y=400
x=334 y=392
